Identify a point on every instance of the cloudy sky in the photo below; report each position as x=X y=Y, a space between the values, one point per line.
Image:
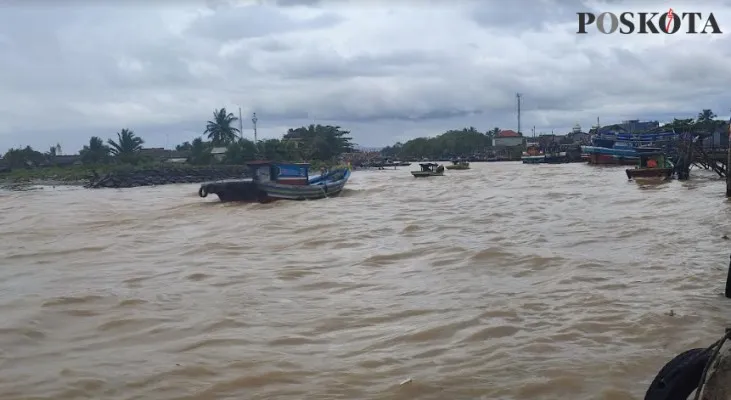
x=386 y=70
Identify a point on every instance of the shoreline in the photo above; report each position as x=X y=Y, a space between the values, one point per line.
x=119 y=177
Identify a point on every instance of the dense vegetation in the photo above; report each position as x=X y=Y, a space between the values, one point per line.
x=451 y=143
x=317 y=143
x=705 y=122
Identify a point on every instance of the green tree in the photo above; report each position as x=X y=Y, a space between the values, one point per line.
x=200 y=151
x=240 y=152
x=464 y=142
x=680 y=125
x=185 y=146
x=96 y=152
x=24 y=158
x=279 y=150
x=219 y=130
x=705 y=115
x=127 y=147
x=320 y=142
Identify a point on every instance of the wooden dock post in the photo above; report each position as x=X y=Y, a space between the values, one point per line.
x=728 y=161
x=728 y=166
x=716 y=385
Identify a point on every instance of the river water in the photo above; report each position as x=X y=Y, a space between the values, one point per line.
x=507 y=281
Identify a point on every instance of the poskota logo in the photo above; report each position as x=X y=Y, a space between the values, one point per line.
x=669 y=22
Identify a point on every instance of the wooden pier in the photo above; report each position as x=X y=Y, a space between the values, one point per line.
x=692 y=152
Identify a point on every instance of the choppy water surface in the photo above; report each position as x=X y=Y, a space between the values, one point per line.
x=507 y=281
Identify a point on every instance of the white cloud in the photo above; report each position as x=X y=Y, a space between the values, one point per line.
x=385 y=70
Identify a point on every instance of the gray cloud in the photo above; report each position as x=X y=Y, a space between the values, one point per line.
x=233 y=23
x=387 y=71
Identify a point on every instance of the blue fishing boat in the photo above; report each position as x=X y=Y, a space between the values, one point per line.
x=621 y=148
x=272 y=181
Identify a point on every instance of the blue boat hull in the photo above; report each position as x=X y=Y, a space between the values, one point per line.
x=319 y=187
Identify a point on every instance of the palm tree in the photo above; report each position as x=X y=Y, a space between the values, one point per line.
x=706 y=115
x=219 y=130
x=706 y=122
x=95 y=152
x=126 y=147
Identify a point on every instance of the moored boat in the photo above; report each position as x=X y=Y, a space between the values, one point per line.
x=533 y=154
x=429 y=169
x=652 y=164
x=556 y=158
x=621 y=148
x=278 y=181
x=459 y=164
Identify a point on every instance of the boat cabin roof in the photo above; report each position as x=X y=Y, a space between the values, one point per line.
x=650 y=154
x=258 y=163
x=429 y=164
x=646 y=152
x=648 y=149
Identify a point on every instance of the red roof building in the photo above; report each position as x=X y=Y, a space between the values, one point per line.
x=507 y=133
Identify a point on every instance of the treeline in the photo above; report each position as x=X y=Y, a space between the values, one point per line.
x=451 y=143
x=705 y=121
x=308 y=143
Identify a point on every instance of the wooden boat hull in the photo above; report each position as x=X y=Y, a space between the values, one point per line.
x=422 y=174
x=645 y=173
x=245 y=190
x=458 y=167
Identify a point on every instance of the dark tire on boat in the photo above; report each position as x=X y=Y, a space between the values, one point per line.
x=679 y=377
x=202 y=192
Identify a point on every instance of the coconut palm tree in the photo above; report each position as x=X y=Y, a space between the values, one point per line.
x=96 y=152
x=219 y=130
x=126 y=147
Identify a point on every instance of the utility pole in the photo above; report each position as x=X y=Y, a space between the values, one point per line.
x=728 y=162
x=253 y=120
x=256 y=141
x=241 y=125
x=518 y=96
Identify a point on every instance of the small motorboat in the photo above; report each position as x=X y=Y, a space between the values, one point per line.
x=459 y=164
x=652 y=164
x=429 y=169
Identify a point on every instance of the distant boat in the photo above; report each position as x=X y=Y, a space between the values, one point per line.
x=533 y=154
x=429 y=169
x=459 y=164
x=652 y=164
x=278 y=181
x=556 y=158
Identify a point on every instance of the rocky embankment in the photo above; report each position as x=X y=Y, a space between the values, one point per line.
x=167 y=175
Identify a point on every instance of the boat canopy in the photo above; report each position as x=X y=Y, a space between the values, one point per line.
x=284 y=172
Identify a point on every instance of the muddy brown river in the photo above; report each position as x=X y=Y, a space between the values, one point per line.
x=506 y=281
